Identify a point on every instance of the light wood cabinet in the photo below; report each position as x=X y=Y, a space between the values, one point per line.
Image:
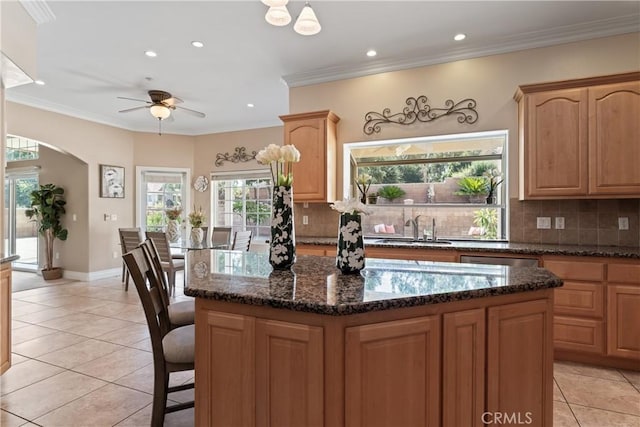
x=5 y=317
x=579 y=138
x=412 y=254
x=392 y=373
x=623 y=311
x=317 y=250
x=463 y=368
x=314 y=135
x=519 y=344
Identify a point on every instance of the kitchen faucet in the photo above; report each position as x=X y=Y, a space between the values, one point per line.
x=414 y=223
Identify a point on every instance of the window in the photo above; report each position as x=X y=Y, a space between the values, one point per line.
x=161 y=189
x=446 y=178
x=19 y=148
x=243 y=201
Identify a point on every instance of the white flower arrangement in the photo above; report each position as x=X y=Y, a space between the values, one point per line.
x=350 y=206
x=280 y=159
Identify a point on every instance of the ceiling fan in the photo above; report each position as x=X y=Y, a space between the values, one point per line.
x=161 y=105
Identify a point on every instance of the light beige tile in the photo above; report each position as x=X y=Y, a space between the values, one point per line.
x=116 y=365
x=17 y=324
x=142 y=379
x=144 y=345
x=44 y=315
x=562 y=416
x=592 y=417
x=44 y=396
x=599 y=393
x=80 y=353
x=183 y=418
x=29 y=332
x=100 y=327
x=131 y=335
x=110 y=309
x=557 y=394
x=71 y=321
x=9 y=420
x=632 y=376
x=588 y=370
x=46 y=344
x=24 y=374
x=106 y=406
x=16 y=358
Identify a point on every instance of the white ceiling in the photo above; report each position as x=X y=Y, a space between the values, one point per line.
x=94 y=51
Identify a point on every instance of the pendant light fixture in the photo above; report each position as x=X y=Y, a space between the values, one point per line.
x=278 y=16
x=307 y=23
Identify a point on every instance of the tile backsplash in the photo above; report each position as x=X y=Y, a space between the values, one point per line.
x=586 y=222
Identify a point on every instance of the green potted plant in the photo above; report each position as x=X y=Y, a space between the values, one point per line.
x=47 y=208
x=391 y=192
x=474 y=187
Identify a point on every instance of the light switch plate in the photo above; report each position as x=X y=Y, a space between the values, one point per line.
x=623 y=223
x=114 y=217
x=559 y=223
x=544 y=222
x=305 y=220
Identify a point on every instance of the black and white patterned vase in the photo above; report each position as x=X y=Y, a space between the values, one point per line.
x=282 y=246
x=350 y=256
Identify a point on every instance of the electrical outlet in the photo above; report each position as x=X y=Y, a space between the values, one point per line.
x=305 y=220
x=623 y=223
x=544 y=222
x=74 y=217
x=559 y=223
x=57 y=255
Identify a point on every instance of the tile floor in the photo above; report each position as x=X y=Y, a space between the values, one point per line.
x=82 y=356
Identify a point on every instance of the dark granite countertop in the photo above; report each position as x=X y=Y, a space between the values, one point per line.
x=497 y=247
x=315 y=285
x=8 y=258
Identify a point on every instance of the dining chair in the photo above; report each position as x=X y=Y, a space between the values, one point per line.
x=129 y=239
x=169 y=265
x=241 y=241
x=221 y=236
x=173 y=349
x=181 y=313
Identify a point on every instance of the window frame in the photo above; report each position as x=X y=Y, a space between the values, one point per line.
x=141 y=192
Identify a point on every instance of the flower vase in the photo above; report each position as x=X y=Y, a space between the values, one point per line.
x=173 y=231
x=350 y=256
x=282 y=254
x=197 y=235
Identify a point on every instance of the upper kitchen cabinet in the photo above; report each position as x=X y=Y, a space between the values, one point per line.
x=580 y=138
x=314 y=135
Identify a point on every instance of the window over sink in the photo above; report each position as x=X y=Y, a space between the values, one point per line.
x=454 y=179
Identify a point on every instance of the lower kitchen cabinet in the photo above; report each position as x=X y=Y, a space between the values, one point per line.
x=623 y=321
x=412 y=254
x=392 y=373
x=5 y=316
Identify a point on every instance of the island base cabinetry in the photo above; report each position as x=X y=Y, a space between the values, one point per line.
x=5 y=316
x=475 y=362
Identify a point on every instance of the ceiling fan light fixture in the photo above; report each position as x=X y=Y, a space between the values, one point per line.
x=159 y=111
x=307 y=23
x=275 y=3
x=278 y=16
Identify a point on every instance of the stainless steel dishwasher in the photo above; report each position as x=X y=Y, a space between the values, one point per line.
x=512 y=262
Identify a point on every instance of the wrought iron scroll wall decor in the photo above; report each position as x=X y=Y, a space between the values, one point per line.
x=240 y=155
x=420 y=110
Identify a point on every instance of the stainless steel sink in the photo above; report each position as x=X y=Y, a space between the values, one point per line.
x=412 y=242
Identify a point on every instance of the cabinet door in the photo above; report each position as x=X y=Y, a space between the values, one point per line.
x=614 y=139
x=520 y=361
x=555 y=143
x=392 y=373
x=463 y=368
x=289 y=374
x=412 y=254
x=5 y=317
x=623 y=318
x=225 y=376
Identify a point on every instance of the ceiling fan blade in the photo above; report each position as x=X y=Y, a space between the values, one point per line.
x=173 y=101
x=134 y=99
x=193 y=112
x=133 y=109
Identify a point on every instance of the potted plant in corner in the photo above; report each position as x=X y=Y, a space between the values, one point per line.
x=47 y=208
x=391 y=192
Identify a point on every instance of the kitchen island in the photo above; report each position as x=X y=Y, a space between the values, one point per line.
x=404 y=343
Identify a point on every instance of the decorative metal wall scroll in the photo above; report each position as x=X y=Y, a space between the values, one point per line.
x=420 y=110
x=240 y=155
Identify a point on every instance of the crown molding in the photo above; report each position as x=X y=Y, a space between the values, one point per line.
x=530 y=40
x=39 y=11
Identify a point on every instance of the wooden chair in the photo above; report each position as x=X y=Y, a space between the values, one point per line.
x=180 y=313
x=221 y=236
x=129 y=239
x=241 y=241
x=173 y=349
x=169 y=265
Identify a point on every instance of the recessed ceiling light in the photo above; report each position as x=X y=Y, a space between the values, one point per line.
x=39 y=82
x=250 y=105
x=371 y=53
x=459 y=37
x=150 y=54
x=196 y=43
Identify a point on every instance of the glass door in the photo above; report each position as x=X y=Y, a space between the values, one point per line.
x=21 y=234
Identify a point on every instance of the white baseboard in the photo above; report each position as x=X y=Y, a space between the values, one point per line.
x=92 y=275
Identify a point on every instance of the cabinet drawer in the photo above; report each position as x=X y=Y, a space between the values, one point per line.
x=310 y=251
x=572 y=270
x=624 y=273
x=578 y=334
x=579 y=299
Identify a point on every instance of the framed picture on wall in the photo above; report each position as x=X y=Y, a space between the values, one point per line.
x=112 y=181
